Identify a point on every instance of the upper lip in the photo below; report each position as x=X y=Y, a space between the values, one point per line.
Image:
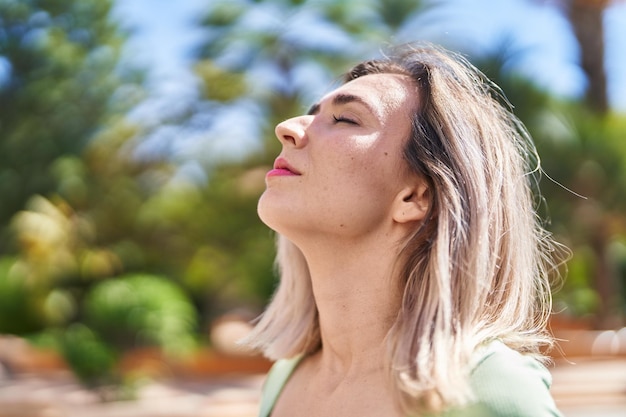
x=281 y=163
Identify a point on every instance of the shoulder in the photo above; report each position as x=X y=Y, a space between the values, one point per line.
x=276 y=379
x=509 y=384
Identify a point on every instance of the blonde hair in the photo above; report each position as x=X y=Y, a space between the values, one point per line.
x=477 y=267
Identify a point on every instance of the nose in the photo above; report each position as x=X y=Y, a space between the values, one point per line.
x=293 y=131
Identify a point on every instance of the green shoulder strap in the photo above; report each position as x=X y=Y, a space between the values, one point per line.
x=276 y=380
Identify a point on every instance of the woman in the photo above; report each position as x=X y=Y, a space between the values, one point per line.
x=413 y=268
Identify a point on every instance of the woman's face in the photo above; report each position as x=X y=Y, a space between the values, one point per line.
x=341 y=166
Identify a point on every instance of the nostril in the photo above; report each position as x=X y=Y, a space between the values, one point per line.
x=292 y=131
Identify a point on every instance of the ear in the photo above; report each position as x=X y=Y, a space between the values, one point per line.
x=411 y=203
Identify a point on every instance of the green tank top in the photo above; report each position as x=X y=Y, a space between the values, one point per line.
x=505 y=384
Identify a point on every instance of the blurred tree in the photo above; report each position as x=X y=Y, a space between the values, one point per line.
x=587 y=20
x=595 y=149
x=123 y=313
x=59 y=82
x=70 y=279
x=266 y=50
x=586 y=153
x=70 y=189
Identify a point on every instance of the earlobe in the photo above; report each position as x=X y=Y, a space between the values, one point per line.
x=411 y=204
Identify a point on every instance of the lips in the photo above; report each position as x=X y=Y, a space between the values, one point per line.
x=282 y=168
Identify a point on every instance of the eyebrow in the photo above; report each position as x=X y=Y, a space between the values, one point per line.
x=343 y=99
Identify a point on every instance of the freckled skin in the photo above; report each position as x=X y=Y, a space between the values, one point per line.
x=350 y=171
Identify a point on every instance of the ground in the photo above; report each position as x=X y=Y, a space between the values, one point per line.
x=591 y=387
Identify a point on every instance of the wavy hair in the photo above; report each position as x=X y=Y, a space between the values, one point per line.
x=476 y=269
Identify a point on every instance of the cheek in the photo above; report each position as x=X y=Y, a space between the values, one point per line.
x=353 y=153
x=377 y=167
x=366 y=182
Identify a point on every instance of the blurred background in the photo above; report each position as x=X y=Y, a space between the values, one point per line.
x=134 y=140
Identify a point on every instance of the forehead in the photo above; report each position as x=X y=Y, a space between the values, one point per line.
x=382 y=93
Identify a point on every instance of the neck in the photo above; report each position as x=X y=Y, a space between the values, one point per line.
x=357 y=297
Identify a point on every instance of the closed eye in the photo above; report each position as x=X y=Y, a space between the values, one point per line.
x=341 y=119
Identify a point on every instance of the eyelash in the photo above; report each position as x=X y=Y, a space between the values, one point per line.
x=343 y=120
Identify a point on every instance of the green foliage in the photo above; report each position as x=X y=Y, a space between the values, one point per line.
x=220 y=85
x=122 y=313
x=61 y=60
x=92 y=359
x=20 y=307
x=217 y=247
x=142 y=310
x=225 y=14
x=589 y=157
x=394 y=13
x=276 y=44
x=30 y=297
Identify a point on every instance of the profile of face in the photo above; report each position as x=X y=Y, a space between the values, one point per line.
x=341 y=169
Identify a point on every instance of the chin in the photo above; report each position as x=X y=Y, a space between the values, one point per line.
x=281 y=216
x=268 y=212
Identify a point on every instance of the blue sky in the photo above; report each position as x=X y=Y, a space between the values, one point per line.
x=164 y=36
